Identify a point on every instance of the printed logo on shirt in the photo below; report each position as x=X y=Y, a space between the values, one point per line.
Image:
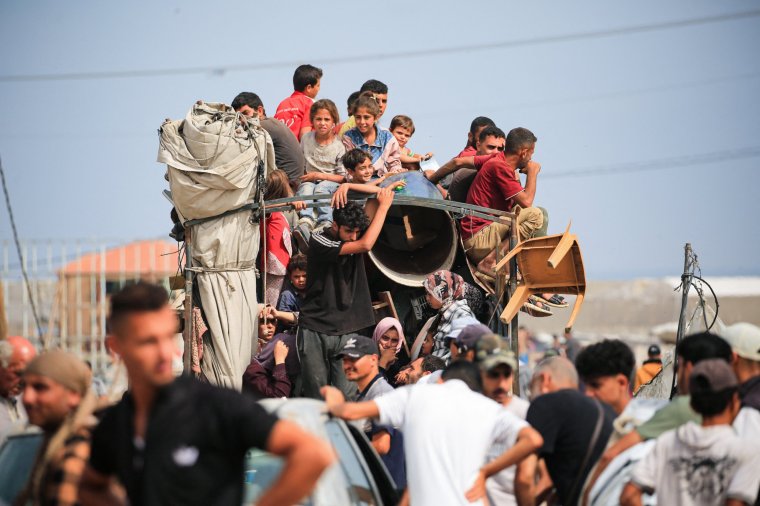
x=707 y=477
x=185 y=456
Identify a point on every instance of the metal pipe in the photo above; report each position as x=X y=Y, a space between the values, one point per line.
x=686 y=279
x=187 y=334
x=513 y=326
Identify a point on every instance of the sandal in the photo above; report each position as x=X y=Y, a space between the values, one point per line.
x=533 y=307
x=553 y=301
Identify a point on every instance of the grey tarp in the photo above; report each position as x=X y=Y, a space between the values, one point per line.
x=212 y=161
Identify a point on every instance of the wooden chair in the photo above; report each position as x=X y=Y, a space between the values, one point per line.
x=551 y=264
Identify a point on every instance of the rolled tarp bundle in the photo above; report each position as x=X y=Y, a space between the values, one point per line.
x=214 y=158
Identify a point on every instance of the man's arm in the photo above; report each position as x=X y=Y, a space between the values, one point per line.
x=451 y=166
x=625 y=442
x=525 y=481
x=631 y=495
x=95 y=489
x=528 y=442
x=306 y=456
x=337 y=405
x=367 y=241
x=525 y=197
x=381 y=442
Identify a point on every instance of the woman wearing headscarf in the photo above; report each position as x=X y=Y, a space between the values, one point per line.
x=445 y=292
x=274 y=370
x=389 y=336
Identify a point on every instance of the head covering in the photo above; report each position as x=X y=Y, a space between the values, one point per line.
x=710 y=376
x=468 y=335
x=492 y=350
x=744 y=339
x=384 y=326
x=445 y=287
x=63 y=368
x=653 y=350
x=359 y=346
x=498 y=358
x=69 y=371
x=265 y=356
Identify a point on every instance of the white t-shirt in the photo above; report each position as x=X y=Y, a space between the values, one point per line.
x=448 y=430
x=501 y=486
x=695 y=465
x=747 y=423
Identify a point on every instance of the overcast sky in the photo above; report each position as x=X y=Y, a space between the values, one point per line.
x=647 y=112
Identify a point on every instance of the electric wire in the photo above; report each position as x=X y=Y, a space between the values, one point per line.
x=220 y=70
x=20 y=255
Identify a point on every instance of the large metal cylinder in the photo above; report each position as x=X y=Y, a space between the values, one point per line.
x=415 y=241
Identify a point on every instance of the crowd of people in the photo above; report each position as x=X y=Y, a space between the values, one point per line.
x=453 y=413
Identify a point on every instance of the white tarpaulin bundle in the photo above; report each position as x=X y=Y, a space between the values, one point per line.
x=213 y=163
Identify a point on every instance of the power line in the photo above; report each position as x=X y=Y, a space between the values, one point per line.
x=399 y=55
x=660 y=164
x=18 y=249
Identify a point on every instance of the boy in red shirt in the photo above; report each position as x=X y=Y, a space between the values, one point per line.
x=294 y=110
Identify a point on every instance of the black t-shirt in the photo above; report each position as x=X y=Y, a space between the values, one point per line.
x=337 y=299
x=194 y=446
x=566 y=420
x=288 y=155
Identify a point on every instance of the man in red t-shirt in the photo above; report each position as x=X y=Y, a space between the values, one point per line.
x=294 y=110
x=490 y=141
x=497 y=186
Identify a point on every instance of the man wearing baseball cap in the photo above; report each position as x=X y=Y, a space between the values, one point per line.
x=744 y=339
x=498 y=365
x=462 y=344
x=707 y=463
x=360 y=365
x=58 y=399
x=650 y=368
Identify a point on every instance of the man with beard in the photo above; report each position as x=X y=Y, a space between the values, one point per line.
x=515 y=484
x=497 y=186
x=59 y=400
x=15 y=353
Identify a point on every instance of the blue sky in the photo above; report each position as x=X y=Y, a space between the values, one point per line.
x=663 y=96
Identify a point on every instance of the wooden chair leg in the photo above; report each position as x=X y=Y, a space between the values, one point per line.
x=576 y=309
x=515 y=303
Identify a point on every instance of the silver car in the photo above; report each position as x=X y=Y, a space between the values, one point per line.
x=359 y=477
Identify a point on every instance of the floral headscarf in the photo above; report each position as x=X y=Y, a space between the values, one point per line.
x=445 y=287
x=383 y=327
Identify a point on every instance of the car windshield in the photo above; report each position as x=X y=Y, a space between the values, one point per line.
x=262 y=469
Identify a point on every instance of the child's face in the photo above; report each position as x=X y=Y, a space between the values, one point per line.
x=402 y=135
x=312 y=90
x=266 y=329
x=298 y=279
x=323 y=122
x=363 y=172
x=365 y=121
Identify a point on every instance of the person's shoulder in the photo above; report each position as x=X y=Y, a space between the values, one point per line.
x=321 y=241
x=384 y=134
x=308 y=138
x=354 y=135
